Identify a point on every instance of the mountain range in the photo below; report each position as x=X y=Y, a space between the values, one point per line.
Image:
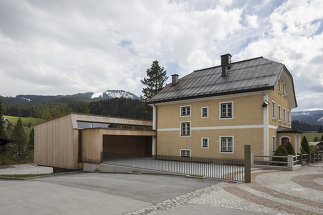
x=88 y=96
x=310 y=117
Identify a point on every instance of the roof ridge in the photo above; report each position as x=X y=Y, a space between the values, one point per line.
x=231 y=63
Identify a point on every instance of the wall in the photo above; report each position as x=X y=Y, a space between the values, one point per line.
x=92 y=146
x=247 y=119
x=56 y=144
x=280 y=99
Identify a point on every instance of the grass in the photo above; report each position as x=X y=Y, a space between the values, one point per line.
x=23 y=175
x=5 y=166
x=310 y=136
x=25 y=120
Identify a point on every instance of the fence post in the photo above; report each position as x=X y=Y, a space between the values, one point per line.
x=247 y=163
x=252 y=159
x=301 y=159
x=290 y=161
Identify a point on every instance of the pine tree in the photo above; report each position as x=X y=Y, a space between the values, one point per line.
x=155 y=80
x=305 y=145
x=281 y=151
x=19 y=149
x=31 y=140
x=2 y=131
x=290 y=149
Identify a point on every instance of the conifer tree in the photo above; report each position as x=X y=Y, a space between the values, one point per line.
x=31 y=140
x=290 y=149
x=155 y=80
x=305 y=145
x=19 y=149
x=2 y=132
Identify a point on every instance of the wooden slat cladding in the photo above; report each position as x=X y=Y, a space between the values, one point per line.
x=56 y=143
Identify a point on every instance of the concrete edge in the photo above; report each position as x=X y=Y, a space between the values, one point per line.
x=40 y=176
x=110 y=168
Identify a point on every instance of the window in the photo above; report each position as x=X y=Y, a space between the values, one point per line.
x=274 y=143
x=226 y=110
x=226 y=144
x=273 y=109
x=205 y=142
x=186 y=110
x=279 y=112
x=204 y=112
x=288 y=119
x=185 y=128
x=185 y=153
x=284 y=141
x=283 y=88
x=284 y=114
x=279 y=90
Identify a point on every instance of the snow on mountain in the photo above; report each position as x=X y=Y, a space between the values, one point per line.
x=114 y=94
x=26 y=99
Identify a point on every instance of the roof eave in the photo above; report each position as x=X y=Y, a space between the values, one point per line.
x=213 y=94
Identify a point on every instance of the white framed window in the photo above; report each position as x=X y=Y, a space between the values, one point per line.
x=226 y=144
x=283 y=88
x=204 y=112
x=185 y=110
x=226 y=110
x=279 y=112
x=288 y=116
x=185 y=153
x=274 y=143
x=204 y=142
x=284 y=114
x=185 y=129
x=273 y=109
x=279 y=88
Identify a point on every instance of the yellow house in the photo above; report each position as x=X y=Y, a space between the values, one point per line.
x=214 y=112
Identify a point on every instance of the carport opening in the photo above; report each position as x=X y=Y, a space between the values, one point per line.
x=120 y=146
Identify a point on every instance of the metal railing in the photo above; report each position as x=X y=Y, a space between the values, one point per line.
x=225 y=169
x=288 y=161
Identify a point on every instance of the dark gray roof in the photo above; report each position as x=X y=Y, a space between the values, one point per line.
x=244 y=76
x=288 y=130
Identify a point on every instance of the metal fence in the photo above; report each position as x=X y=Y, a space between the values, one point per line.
x=288 y=161
x=225 y=169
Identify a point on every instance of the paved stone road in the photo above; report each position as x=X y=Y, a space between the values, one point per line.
x=271 y=192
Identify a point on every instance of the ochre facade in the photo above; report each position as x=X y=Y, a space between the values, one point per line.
x=252 y=123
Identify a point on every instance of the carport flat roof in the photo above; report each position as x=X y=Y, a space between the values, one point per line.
x=123 y=132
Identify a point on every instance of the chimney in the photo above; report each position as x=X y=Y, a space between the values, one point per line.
x=225 y=63
x=174 y=79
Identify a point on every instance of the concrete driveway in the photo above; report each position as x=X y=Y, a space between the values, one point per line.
x=92 y=193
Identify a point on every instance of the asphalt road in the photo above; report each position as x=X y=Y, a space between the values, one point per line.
x=99 y=193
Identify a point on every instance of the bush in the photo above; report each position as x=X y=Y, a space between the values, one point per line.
x=305 y=145
x=281 y=151
x=314 y=149
x=290 y=149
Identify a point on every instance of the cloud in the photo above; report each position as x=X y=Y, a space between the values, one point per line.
x=64 y=47
x=252 y=21
x=293 y=38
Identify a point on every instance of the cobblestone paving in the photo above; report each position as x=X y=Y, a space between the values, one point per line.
x=271 y=192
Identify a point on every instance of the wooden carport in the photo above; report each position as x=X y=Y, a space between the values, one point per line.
x=68 y=141
x=93 y=141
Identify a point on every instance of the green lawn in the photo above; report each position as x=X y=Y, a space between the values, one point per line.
x=310 y=136
x=25 y=120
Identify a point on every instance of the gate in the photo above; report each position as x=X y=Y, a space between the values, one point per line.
x=224 y=169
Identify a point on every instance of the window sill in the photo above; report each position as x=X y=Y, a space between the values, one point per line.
x=227 y=152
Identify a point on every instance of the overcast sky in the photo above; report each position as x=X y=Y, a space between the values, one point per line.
x=65 y=47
